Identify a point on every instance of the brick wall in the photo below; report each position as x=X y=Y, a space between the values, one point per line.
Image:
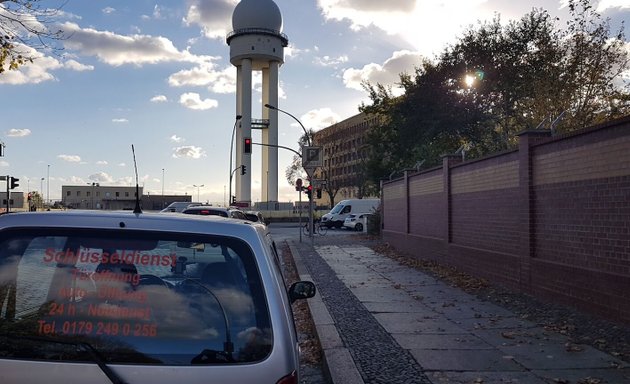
x=552 y=218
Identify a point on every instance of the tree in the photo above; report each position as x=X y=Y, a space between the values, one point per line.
x=24 y=27
x=522 y=75
x=295 y=170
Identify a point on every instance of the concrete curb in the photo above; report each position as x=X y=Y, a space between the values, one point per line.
x=338 y=363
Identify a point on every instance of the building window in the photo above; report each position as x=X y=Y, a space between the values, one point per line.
x=78 y=193
x=68 y=193
x=87 y=193
x=126 y=194
x=117 y=194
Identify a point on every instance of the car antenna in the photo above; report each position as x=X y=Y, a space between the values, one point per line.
x=137 y=209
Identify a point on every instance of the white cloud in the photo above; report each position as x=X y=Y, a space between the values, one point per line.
x=4 y=164
x=120 y=121
x=102 y=162
x=76 y=66
x=189 y=151
x=116 y=50
x=121 y=164
x=385 y=74
x=192 y=100
x=327 y=61
x=19 y=132
x=157 y=12
x=108 y=10
x=31 y=73
x=159 y=99
x=319 y=118
x=427 y=24
x=223 y=81
x=70 y=158
x=101 y=177
x=603 y=4
x=177 y=139
x=213 y=16
x=40 y=69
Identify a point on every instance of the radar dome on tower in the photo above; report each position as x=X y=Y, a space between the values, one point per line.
x=263 y=14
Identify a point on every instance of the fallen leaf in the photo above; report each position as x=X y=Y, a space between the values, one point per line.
x=507 y=335
x=573 y=348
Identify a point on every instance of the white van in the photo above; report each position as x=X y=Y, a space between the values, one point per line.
x=338 y=214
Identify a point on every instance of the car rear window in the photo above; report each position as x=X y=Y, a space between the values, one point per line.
x=142 y=298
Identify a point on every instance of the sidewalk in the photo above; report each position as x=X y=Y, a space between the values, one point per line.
x=381 y=322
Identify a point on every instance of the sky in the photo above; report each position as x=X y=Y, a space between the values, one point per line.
x=157 y=75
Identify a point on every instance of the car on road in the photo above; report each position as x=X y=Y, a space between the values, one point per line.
x=125 y=297
x=206 y=210
x=178 y=206
x=336 y=217
x=256 y=216
x=356 y=221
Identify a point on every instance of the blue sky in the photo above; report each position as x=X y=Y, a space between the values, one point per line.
x=157 y=75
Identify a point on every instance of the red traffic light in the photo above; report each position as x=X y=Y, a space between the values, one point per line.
x=247 y=145
x=310 y=188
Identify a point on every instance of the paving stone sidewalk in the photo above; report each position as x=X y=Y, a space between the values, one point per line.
x=382 y=322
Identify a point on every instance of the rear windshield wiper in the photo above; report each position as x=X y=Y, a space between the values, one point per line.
x=228 y=345
x=86 y=347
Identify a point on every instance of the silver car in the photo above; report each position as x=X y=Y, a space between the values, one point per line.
x=121 y=297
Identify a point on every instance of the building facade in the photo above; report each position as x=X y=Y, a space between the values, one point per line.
x=95 y=196
x=344 y=157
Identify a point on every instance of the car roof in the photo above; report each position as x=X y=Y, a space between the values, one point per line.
x=127 y=220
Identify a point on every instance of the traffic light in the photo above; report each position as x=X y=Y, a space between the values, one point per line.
x=243 y=169
x=247 y=145
x=319 y=193
x=14 y=182
x=233 y=200
x=309 y=191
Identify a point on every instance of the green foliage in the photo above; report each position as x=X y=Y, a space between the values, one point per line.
x=522 y=75
x=24 y=28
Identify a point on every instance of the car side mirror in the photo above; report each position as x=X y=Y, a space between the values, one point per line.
x=301 y=290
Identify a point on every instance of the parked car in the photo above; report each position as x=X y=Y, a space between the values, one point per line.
x=122 y=297
x=337 y=215
x=178 y=206
x=255 y=216
x=206 y=210
x=356 y=221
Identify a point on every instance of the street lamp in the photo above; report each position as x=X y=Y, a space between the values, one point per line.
x=48 y=185
x=198 y=186
x=162 y=187
x=308 y=137
x=238 y=117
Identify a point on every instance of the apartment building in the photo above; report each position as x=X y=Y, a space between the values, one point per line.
x=344 y=156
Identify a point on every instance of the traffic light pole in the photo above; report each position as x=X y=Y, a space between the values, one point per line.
x=8 y=192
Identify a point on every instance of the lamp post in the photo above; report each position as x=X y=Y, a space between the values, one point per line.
x=198 y=186
x=48 y=185
x=308 y=137
x=162 y=187
x=238 y=117
x=41 y=192
x=308 y=141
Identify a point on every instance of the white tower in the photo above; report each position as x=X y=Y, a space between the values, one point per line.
x=257 y=44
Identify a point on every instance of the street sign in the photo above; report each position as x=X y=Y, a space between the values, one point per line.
x=312 y=157
x=310 y=171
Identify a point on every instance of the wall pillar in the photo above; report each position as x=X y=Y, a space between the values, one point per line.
x=527 y=220
x=447 y=162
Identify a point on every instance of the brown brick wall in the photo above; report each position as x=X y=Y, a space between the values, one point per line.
x=426 y=205
x=552 y=218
